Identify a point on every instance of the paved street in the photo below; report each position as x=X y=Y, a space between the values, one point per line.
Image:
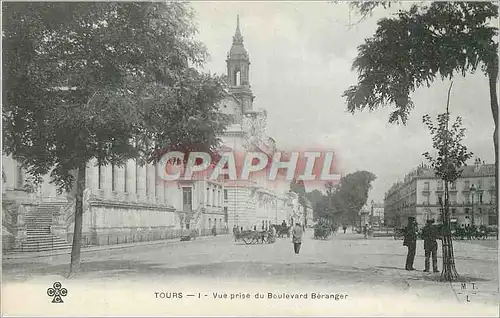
x=347 y=263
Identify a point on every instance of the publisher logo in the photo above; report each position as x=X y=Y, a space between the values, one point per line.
x=57 y=292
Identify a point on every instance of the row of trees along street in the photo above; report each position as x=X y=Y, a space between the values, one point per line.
x=341 y=202
x=107 y=81
x=414 y=48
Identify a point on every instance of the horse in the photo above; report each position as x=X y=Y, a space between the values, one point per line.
x=281 y=230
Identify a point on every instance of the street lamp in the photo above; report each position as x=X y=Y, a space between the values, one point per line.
x=472 y=192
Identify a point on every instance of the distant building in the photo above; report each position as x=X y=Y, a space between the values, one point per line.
x=421 y=193
x=364 y=215
x=377 y=214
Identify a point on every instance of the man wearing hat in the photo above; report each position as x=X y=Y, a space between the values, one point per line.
x=430 y=236
x=410 y=240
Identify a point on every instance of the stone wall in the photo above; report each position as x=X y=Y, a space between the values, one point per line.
x=13 y=221
x=110 y=222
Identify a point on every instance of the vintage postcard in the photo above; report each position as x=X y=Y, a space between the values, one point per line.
x=257 y=158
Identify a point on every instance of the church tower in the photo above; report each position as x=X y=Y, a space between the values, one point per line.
x=238 y=71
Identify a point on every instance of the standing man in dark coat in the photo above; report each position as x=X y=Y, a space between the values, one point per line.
x=410 y=240
x=297 y=233
x=430 y=235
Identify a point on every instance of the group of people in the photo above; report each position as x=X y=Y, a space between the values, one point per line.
x=430 y=236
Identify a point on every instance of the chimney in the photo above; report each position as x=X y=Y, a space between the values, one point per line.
x=477 y=164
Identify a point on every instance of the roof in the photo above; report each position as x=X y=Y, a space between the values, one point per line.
x=472 y=171
x=238 y=49
x=425 y=172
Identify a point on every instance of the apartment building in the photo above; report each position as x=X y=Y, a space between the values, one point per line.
x=421 y=194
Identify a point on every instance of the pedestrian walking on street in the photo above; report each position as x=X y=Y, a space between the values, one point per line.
x=430 y=235
x=236 y=233
x=365 y=230
x=344 y=228
x=410 y=240
x=214 y=231
x=297 y=233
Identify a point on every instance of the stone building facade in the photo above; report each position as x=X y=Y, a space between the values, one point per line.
x=132 y=203
x=420 y=194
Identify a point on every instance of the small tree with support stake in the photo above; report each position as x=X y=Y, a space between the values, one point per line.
x=451 y=156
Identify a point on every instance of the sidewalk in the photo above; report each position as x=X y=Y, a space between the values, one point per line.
x=28 y=255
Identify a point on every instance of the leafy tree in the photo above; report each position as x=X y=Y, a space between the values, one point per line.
x=353 y=193
x=100 y=81
x=419 y=45
x=298 y=187
x=314 y=196
x=344 y=199
x=365 y=8
x=450 y=158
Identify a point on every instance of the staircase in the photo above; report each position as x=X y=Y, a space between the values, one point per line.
x=38 y=230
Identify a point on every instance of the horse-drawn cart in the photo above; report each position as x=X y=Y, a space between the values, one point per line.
x=256 y=237
x=282 y=230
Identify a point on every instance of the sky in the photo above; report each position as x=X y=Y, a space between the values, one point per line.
x=301 y=55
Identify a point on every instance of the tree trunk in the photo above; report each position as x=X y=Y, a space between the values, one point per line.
x=74 y=266
x=492 y=79
x=449 y=272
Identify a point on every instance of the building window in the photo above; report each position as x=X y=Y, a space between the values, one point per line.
x=225 y=194
x=156 y=177
x=453 y=185
x=439 y=200
x=467 y=211
x=467 y=185
x=136 y=177
x=113 y=178
x=187 y=198
x=467 y=199
x=428 y=200
x=100 y=178
x=125 y=177
x=226 y=215
x=20 y=176
x=480 y=183
x=492 y=196
x=237 y=78
x=453 y=198
x=453 y=211
x=492 y=218
x=426 y=186
x=147 y=178
x=440 y=185
x=480 y=197
x=209 y=223
x=214 y=198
